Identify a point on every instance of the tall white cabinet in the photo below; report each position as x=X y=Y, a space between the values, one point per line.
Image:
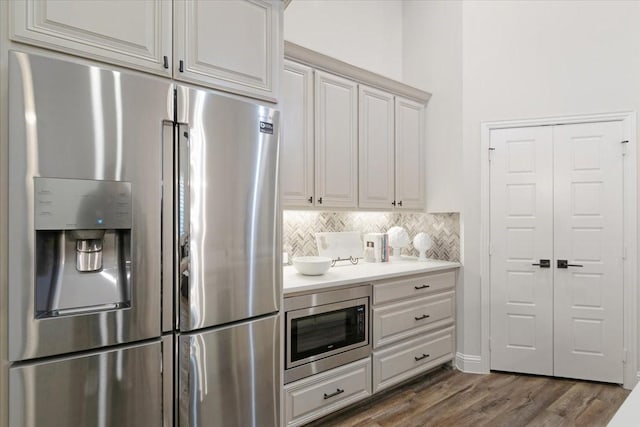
x=410 y=154
x=231 y=45
x=336 y=143
x=391 y=152
x=376 y=149
x=297 y=159
x=368 y=140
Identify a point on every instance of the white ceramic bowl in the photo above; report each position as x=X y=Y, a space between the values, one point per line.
x=312 y=265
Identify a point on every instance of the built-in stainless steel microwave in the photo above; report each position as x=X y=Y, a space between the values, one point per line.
x=326 y=330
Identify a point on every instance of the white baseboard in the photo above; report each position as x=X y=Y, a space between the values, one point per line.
x=468 y=363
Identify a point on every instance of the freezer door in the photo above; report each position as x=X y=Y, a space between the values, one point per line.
x=227 y=219
x=231 y=376
x=120 y=387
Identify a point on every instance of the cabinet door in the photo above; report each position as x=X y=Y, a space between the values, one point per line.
x=134 y=34
x=233 y=45
x=336 y=141
x=376 y=149
x=296 y=154
x=410 y=161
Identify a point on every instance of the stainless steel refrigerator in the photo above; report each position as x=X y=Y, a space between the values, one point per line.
x=144 y=286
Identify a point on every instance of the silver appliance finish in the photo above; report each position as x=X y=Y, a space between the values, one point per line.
x=307 y=305
x=230 y=376
x=118 y=387
x=76 y=121
x=226 y=232
x=227 y=263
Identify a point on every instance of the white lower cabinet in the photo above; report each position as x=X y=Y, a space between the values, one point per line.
x=405 y=319
x=412 y=332
x=402 y=361
x=413 y=326
x=313 y=397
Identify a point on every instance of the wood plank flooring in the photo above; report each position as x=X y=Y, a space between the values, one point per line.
x=447 y=397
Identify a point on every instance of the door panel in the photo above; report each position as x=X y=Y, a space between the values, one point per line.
x=233 y=45
x=297 y=136
x=92 y=124
x=120 y=387
x=336 y=112
x=521 y=235
x=231 y=376
x=588 y=171
x=227 y=192
x=376 y=149
x=131 y=33
x=410 y=154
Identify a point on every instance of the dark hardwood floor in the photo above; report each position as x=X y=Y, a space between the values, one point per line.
x=447 y=397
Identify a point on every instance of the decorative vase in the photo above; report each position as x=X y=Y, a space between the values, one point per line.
x=422 y=242
x=398 y=239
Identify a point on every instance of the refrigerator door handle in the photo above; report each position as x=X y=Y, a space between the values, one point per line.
x=168 y=221
x=182 y=191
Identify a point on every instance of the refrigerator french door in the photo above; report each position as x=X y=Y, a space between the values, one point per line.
x=226 y=260
x=84 y=244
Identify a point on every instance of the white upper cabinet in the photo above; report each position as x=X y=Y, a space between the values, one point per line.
x=296 y=154
x=410 y=160
x=336 y=148
x=136 y=34
x=233 y=45
x=376 y=149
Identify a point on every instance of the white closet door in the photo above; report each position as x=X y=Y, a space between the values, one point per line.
x=521 y=235
x=588 y=227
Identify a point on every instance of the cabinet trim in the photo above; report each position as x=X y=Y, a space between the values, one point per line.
x=326 y=63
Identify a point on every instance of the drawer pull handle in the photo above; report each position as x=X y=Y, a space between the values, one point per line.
x=337 y=392
x=419 y=358
x=421 y=287
x=424 y=316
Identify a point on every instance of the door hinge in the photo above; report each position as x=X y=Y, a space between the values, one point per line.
x=491 y=150
x=490 y=344
x=625 y=355
x=490 y=248
x=624 y=146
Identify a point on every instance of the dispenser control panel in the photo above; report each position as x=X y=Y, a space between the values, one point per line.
x=69 y=204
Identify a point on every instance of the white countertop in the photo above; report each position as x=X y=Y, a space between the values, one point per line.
x=346 y=273
x=628 y=414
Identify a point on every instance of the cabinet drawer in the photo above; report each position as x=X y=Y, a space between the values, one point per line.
x=413 y=287
x=394 y=322
x=405 y=360
x=321 y=394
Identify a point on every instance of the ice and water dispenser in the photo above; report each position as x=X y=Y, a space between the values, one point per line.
x=83 y=246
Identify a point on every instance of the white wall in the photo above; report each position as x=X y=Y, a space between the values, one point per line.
x=432 y=61
x=364 y=33
x=537 y=59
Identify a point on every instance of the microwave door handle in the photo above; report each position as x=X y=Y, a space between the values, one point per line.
x=182 y=206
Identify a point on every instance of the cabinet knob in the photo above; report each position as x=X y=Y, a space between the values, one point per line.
x=400 y=203
x=320 y=200
x=181 y=66
x=393 y=203
x=165 y=61
x=310 y=199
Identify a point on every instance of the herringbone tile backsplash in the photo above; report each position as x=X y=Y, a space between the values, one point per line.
x=299 y=228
